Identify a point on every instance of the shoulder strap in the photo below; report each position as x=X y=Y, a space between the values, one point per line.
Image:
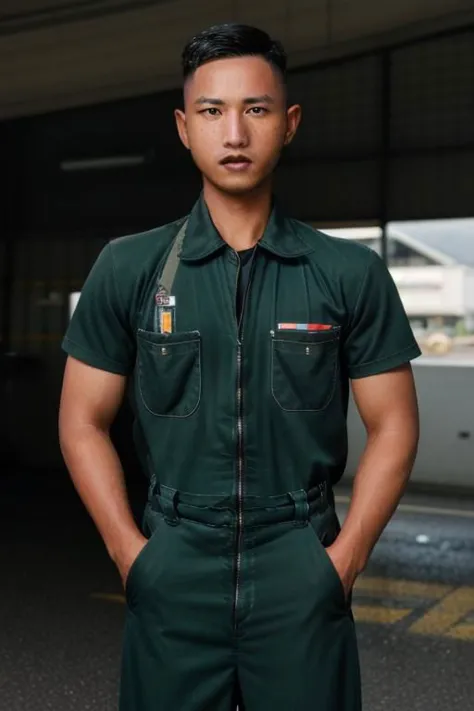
x=172 y=262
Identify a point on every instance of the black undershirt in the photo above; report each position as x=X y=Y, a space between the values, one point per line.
x=246 y=260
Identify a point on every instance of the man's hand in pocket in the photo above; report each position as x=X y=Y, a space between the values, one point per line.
x=128 y=554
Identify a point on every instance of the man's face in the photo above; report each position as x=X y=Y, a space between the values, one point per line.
x=236 y=122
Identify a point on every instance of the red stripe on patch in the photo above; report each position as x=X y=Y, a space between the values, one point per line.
x=319 y=327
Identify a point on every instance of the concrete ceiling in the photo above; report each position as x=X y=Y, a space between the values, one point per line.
x=12 y=7
x=22 y=15
x=60 y=53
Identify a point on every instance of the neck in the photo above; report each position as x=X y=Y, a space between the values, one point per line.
x=239 y=219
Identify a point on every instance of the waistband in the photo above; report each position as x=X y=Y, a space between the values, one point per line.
x=297 y=506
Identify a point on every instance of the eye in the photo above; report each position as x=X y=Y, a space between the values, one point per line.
x=210 y=112
x=258 y=110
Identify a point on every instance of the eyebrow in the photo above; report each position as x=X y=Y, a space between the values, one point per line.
x=263 y=99
x=206 y=100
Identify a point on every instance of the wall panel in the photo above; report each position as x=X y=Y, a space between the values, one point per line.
x=432 y=185
x=341 y=116
x=432 y=93
x=330 y=191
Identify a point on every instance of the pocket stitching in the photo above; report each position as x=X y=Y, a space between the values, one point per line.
x=316 y=337
x=342 y=591
x=197 y=365
x=133 y=568
x=166 y=342
x=333 y=385
x=306 y=343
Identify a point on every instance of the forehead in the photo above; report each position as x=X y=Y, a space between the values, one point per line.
x=235 y=78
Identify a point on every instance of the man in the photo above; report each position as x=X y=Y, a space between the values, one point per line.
x=240 y=330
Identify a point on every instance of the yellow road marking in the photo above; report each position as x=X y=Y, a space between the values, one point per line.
x=446 y=613
x=108 y=597
x=388 y=587
x=427 y=510
x=380 y=615
x=463 y=631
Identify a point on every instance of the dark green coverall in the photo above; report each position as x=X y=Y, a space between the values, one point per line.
x=241 y=424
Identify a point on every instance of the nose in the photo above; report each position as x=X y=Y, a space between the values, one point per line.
x=236 y=133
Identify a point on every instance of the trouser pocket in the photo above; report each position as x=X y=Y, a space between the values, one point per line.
x=325 y=528
x=146 y=567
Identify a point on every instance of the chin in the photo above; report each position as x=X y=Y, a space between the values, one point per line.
x=236 y=186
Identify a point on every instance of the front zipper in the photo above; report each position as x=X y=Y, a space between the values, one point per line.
x=240 y=479
x=240 y=439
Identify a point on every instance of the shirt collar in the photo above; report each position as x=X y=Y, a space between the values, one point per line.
x=202 y=238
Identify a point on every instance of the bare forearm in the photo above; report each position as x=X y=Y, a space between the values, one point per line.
x=379 y=484
x=97 y=474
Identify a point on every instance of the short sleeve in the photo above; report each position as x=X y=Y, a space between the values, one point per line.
x=379 y=336
x=99 y=332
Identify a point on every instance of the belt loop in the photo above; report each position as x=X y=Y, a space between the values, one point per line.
x=329 y=495
x=169 y=506
x=300 y=500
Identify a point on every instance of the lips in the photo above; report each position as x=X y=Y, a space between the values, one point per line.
x=236 y=160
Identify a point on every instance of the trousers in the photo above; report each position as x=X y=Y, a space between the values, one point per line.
x=231 y=606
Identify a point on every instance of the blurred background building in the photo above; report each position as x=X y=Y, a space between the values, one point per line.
x=432 y=264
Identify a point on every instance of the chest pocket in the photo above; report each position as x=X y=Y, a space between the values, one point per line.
x=304 y=369
x=169 y=372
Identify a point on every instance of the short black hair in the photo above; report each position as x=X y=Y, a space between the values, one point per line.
x=232 y=40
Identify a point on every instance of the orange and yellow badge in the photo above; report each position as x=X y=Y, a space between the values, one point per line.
x=166 y=321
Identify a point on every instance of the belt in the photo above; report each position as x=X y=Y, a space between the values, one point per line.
x=297 y=506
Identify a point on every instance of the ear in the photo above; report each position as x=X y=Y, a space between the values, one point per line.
x=293 y=121
x=180 y=118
